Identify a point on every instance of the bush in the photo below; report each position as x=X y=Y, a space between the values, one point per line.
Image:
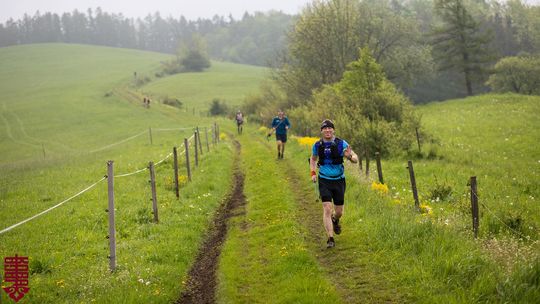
x=368 y=110
x=218 y=107
x=173 y=102
x=195 y=61
x=516 y=74
x=140 y=81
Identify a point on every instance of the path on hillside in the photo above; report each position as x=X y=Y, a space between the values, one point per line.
x=201 y=283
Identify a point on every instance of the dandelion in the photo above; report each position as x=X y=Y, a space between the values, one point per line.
x=380 y=188
x=60 y=283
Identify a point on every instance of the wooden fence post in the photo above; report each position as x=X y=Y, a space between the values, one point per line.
x=214 y=140
x=367 y=162
x=43 y=148
x=206 y=135
x=195 y=150
x=360 y=162
x=379 y=167
x=153 y=186
x=474 y=206
x=176 y=187
x=217 y=134
x=413 y=184
x=112 y=229
x=150 y=133
x=186 y=144
x=199 y=140
x=418 y=140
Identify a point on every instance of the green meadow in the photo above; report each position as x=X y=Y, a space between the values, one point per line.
x=68 y=109
x=493 y=137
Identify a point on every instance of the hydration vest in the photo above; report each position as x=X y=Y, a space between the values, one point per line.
x=330 y=152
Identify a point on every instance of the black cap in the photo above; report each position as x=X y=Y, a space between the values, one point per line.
x=327 y=123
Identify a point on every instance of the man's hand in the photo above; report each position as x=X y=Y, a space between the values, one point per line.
x=350 y=155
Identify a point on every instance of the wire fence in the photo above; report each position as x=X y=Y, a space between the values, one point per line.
x=472 y=192
x=189 y=140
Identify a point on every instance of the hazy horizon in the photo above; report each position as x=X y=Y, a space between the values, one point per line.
x=191 y=10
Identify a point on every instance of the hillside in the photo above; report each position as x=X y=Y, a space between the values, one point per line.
x=56 y=97
x=248 y=224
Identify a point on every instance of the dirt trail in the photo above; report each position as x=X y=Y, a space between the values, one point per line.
x=201 y=283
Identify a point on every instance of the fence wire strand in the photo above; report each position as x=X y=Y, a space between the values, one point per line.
x=53 y=207
x=105 y=177
x=120 y=142
x=499 y=219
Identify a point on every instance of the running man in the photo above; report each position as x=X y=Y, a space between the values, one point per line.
x=280 y=124
x=328 y=154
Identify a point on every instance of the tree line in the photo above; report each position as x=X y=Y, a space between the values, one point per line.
x=357 y=61
x=251 y=40
x=429 y=49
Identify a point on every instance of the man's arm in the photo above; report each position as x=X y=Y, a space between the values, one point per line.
x=350 y=155
x=313 y=168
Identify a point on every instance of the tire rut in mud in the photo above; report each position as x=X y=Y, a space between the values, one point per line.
x=201 y=283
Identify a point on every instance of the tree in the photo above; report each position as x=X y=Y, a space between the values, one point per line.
x=327 y=37
x=218 y=107
x=459 y=44
x=193 y=56
x=368 y=108
x=516 y=74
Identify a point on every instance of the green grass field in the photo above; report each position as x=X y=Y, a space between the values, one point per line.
x=493 y=137
x=67 y=109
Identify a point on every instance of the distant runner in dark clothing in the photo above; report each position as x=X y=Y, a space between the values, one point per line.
x=281 y=125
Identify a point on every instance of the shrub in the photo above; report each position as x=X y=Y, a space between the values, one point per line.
x=173 y=102
x=218 y=107
x=516 y=74
x=195 y=61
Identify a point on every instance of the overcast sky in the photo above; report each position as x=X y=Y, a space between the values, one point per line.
x=191 y=9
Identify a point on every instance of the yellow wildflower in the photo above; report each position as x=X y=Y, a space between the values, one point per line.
x=222 y=136
x=307 y=141
x=182 y=180
x=425 y=209
x=380 y=188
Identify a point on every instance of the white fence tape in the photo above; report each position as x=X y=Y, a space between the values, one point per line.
x=53 y=207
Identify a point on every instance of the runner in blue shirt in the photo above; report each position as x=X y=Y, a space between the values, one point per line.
x=281 y=125
x=328 y=154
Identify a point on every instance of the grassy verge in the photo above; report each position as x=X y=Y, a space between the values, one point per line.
x=68 y=247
